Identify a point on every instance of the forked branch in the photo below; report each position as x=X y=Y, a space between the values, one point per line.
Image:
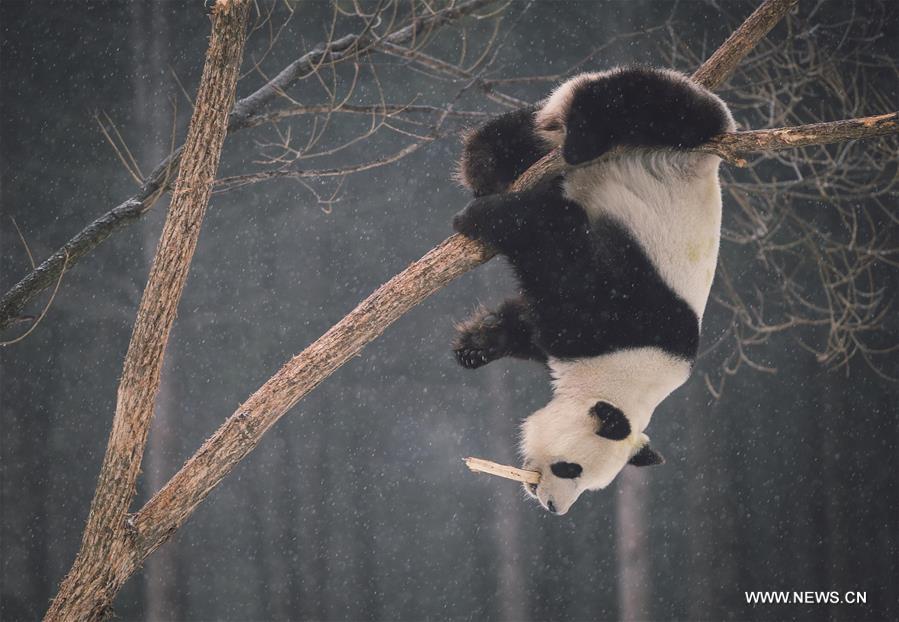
x=88 y=589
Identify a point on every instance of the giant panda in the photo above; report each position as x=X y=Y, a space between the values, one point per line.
x=614 y=258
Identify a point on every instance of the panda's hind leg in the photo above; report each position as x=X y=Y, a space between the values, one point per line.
x=490 y=335
x=495 y=154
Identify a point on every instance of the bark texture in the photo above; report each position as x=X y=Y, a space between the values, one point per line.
x=87 y=591
x=720 y=65
x=245 y=114
x=732 y=146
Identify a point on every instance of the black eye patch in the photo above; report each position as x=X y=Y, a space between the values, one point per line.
x=613 y=425
x=566 y=470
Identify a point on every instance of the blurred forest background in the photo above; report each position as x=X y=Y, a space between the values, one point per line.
x=356 y=505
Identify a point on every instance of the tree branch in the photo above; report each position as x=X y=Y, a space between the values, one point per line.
x=87 y=591
x=378 y=110
x=479 y=465
x=243 y=116
x=720 y=65
x=731 y=146
x=241 y=432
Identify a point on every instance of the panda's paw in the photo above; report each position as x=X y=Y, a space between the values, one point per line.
x=480 y=219
x=471 y=358
x=466 y=222
x=479 y=340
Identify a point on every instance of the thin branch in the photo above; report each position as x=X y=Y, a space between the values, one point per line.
x=386 y=110
x=237 y=181
x=24 y=243
x=479 y=465
x=720 y=65
x=731 y=146
x=43 y=314
x=242 y=116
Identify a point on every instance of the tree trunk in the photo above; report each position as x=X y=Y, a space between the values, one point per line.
x=150 y=35
x=107 y=558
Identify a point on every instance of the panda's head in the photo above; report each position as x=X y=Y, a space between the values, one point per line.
x=551 y=116
x=578 y=446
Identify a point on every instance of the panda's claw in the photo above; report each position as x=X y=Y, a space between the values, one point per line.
x=471 y=358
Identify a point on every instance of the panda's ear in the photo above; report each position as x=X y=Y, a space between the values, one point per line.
x=589 y=131
x=612 y=424
x=646 y=455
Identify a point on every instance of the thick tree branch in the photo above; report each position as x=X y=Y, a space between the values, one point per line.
x=720 y=65
x=87 y=591
x=243 y=115
x=176 y=501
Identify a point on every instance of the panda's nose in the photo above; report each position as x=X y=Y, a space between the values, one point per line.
x=551 y=506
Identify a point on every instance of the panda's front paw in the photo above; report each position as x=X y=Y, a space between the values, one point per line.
x=479 y=340
x=471 y=358
x=466 y=223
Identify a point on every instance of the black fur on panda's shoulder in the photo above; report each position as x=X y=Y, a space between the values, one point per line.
x=593 y=289
x=497 y=153
x=640 y=107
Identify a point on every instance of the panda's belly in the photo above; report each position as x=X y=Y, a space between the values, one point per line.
x=669 y=203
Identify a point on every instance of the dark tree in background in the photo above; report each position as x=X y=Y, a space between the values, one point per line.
x=782 y=449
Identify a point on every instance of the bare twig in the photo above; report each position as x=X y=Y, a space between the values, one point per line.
x=479 y=465
x=242 y=116
x=24 y=243
x=386 y=110
x=43 y=314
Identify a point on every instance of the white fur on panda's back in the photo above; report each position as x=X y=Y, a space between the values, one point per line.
x=670 y=202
